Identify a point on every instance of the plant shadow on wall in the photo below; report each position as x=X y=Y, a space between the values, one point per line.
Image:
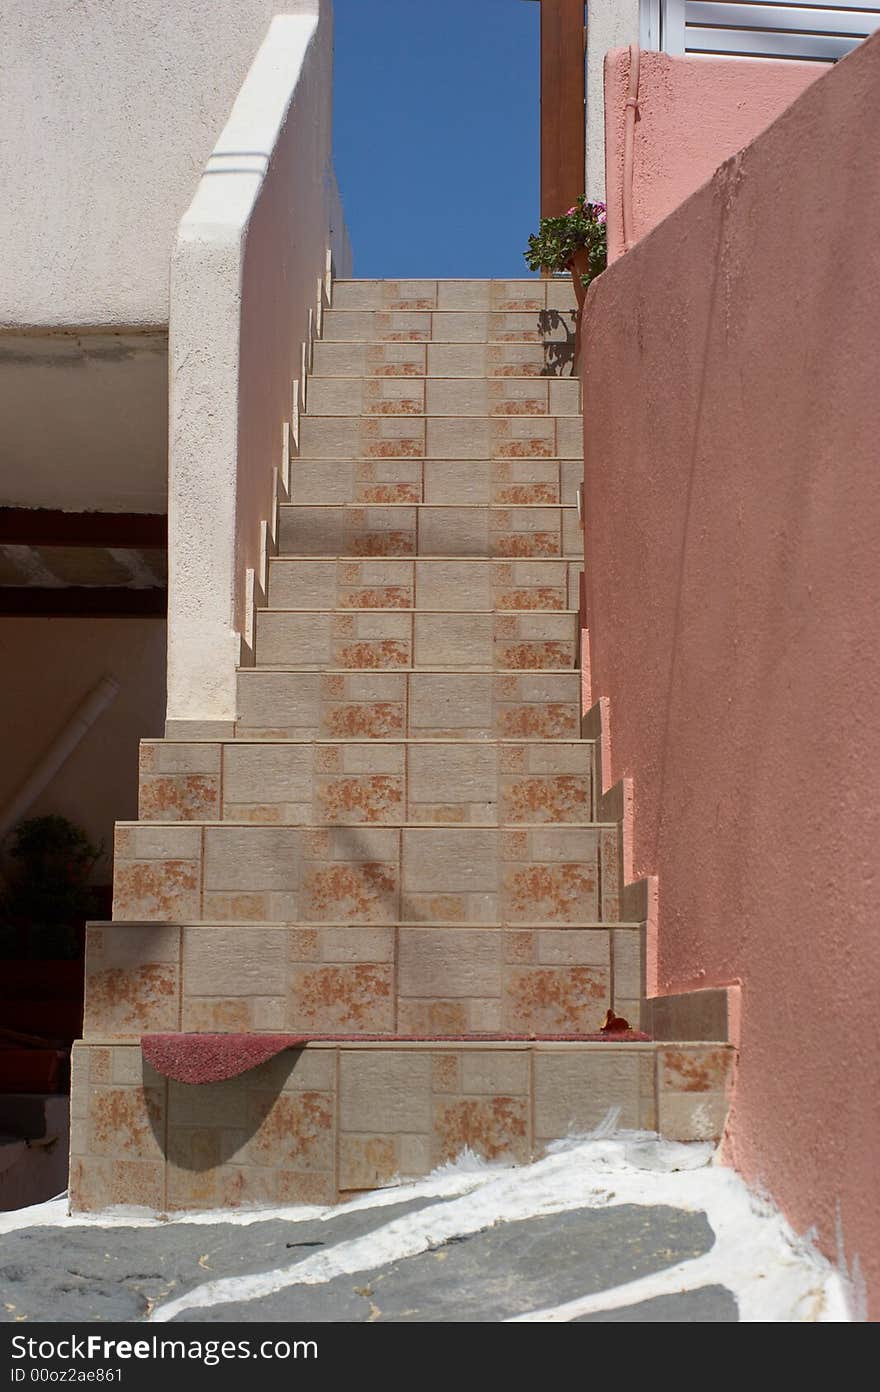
x=48 y=895
x=574 y=241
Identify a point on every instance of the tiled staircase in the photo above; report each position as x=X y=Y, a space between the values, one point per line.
x=400 y=842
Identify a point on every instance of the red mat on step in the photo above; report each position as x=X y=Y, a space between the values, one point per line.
x=210 y=1058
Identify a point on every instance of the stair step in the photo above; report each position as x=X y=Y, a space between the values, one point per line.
x=389 y=705
x=338 y=1117
x=453 y=585
x=390 y=638
x=165 y=872
x=483 y=783
x=428 y=529
x=526 y=293
x=357 y=437
x=414 y=359
x=506 y=483
x=416 y=978
x=443 y=396
x=449 y=326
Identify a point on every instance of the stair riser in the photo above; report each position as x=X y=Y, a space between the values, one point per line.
x=312 y=1125
x=318 y=784
x=440 y=326
x=396 y=396
x=427 y=530
x=353 y=437
x=498 y=295
x=408 y=359
x=390 y=705
x=361 y=980
x=474 y=482
x=388 y=639
x=365 y=874
x=455 y=586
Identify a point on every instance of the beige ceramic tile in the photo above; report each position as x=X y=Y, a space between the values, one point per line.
x=575 y=1091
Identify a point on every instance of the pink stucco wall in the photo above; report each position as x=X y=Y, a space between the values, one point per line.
x=693 y=113
x=732 y=424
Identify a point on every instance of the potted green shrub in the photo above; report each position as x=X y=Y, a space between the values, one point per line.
x=46 y=898
x=575 y=241
x=48 y=892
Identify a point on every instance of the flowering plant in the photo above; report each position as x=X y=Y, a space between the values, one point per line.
x=557 y=240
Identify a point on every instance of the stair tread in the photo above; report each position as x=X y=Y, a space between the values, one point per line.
x=503 y=741
x=428 y=459
x=399 y=823
x=402 y=609
x=491 y=925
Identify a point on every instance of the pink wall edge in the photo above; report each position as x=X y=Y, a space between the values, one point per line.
x=732 y=420
x=692 y=114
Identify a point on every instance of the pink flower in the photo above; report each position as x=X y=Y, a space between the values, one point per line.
x=571 y=210
x=601 y=218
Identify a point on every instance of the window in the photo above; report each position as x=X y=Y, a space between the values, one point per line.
x=748 y=29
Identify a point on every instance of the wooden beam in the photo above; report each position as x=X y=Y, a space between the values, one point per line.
x=82 y=602
x=51 y=527
x=563 y=151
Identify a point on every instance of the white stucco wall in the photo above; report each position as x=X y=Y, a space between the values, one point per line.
x=610 y=24
x=109 y=110
x=247 y=271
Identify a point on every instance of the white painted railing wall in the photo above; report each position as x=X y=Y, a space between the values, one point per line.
x=248 y=279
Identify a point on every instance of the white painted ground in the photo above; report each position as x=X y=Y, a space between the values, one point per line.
x=775 y=1275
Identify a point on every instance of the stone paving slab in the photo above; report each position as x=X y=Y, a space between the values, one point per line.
x=118 y=1273
x=492 y=1275
x=616 y=1226
x=708 y=1305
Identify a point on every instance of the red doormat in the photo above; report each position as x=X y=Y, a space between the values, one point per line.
x=210 y=1058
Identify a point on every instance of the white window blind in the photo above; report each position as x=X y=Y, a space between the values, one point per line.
x=749 y=29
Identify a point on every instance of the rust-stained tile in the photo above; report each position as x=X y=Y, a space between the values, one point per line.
x=445 y=1072
x=99 y=1065
x=386 y=482
x=537 y=720
x=355 y=996
x=374 y=653
x=535 y=656
x=366 y=720
x=428 y=1017
x=356 y=893
x=384 y=396
x=132 y=999
x=551 y=798
x=571 y=999
x=178 y=797
x=366 y=1162
x=493 y=1127
x=386 y=597
x=156 y=890
x=301 y=1187
x=292 y=1131
x=229 y=1015
x=126 y=1122
x=550 y=893
x=361 y=798
x=695 y=1069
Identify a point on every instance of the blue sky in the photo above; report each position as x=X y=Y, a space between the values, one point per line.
x=436 y=134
